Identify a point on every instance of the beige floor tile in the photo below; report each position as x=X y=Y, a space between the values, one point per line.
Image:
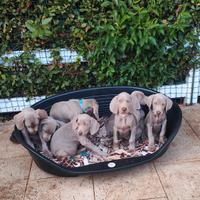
x=140 y=182
x=6 y=127
x=181 y=181
x=192 y=115
x=185 y=146
x=12 y=191
x=79 y=188
x=37 y=173
x=9 y=149
x=12 y=170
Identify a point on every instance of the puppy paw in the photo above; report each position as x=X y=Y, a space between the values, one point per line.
x=131 y=148
x=48 y=154
x=151 y=148
x=103 y=154
x=115 y=147
x=32 y=145
x=161 y=140
x=104 y=158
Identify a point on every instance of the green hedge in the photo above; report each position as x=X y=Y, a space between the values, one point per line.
x=134 y=42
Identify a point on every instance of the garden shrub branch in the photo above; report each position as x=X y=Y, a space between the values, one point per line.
x=133 y=42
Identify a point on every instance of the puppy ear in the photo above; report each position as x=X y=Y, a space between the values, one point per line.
x=136 y=99
x=140 y=96
x=95 y=109
x=44 y=121
x=149 y=100
x=74 y=122
x=42 y=114
x=169 y=104
x=19 y=121
x=114 y=105
x=94 y=126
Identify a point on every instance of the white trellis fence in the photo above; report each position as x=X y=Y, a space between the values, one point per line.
x=189 y=90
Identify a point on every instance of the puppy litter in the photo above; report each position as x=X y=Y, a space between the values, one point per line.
x=104 y=141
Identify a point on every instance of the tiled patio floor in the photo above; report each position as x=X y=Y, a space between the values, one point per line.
x=176 y=175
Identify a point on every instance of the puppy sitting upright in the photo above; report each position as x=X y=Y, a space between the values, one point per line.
x=27 y=121
x=65 y=140
x=66 y=110
x=156 y=119
x=125 y=123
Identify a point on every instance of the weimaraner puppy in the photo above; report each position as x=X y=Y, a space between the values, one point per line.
x=47 y=128
x=67 y=110
x=126 y=118
x=27 y=121
x=156 y=119
x=139 y=99
x=65 y=140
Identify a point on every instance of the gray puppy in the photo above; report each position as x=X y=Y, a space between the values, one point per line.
x=156 y=119
x=47 y=128
x=127 y=116
x=67 y=110
x=65 y=141
x=27 y=121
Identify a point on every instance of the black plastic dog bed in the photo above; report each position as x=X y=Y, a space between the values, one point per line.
x=103 y=96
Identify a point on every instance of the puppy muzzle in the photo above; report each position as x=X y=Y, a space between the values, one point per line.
x=124 y=110
x=46 y=137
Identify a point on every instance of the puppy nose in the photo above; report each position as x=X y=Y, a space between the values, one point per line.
x=80 y=133
x=158 y=112
x=124 y=109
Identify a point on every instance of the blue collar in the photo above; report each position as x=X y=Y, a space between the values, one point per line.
x=81 y=104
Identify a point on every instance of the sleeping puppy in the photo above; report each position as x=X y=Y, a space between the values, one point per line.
x=66 y=110
x=47 y=128
x=65 y=140
x=126 y=119
x=27 y=121
x=156 y=119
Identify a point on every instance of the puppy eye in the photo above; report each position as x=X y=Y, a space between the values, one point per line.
x=127 y=101
x=76 y=120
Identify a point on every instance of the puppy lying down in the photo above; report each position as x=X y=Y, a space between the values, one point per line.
x=65 y=140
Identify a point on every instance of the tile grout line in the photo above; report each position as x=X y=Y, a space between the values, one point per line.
x=93 y=187
x=154 y=198
x=22 y=156
x=179 y=161
x=38 y=179
x=160 y=180
x=191 y=128
x=28 y=179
